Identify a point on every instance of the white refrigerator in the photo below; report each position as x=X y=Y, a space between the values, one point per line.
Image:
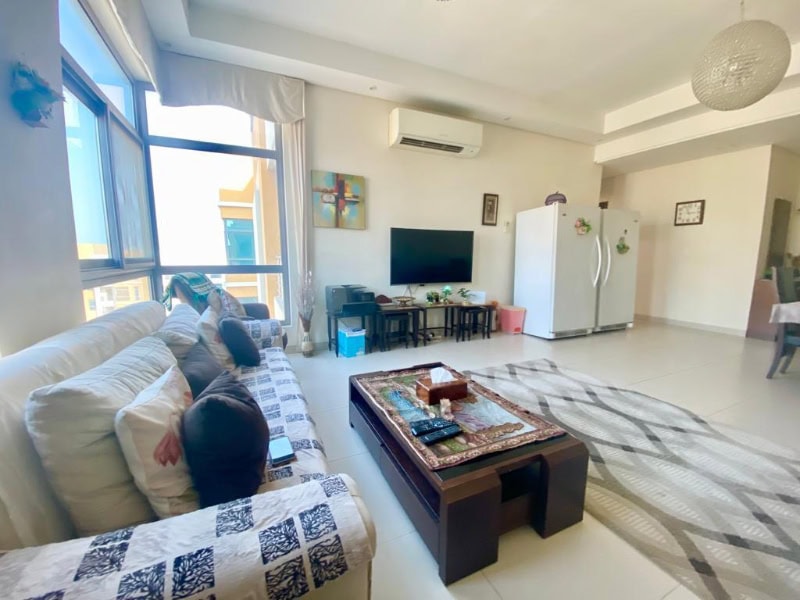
x=575 y=269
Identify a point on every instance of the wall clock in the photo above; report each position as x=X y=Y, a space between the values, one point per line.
x=690 y=213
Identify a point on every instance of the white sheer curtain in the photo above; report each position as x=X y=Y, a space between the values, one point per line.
x=293 y=136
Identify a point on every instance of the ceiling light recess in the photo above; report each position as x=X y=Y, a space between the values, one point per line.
x=741 y=65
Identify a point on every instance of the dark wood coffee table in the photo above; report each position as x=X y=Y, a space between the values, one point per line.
x=460 y=511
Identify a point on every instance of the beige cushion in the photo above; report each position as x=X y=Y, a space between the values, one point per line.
x=72 y=426
x=179 y=330
x=148 y=430
x=208 y=329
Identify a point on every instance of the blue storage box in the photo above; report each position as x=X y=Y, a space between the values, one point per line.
x=351 y=341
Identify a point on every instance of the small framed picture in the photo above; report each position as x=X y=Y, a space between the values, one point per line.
x=690 y=213
x=490 y=202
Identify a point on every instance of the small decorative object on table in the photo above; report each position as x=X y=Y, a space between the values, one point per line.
x=465 y=294
x=690 y=213
x=305 y=309
x=446 y=291
x=33 y=98
x=490 y=205
x=432 y=297
x=403 y=300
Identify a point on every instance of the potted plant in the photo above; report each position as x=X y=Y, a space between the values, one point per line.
x=430 y=297
x=446 y=291
x=33 y=98
x=305 y=310
x=465 y=294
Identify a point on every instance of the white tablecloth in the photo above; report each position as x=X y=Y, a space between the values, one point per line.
x=785 y=313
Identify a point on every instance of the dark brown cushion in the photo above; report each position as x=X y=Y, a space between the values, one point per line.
x=242 y=347
x=200 y=368
x=225 y=441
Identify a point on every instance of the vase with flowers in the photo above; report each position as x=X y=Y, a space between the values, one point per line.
x=446 y=293
x=305 y=310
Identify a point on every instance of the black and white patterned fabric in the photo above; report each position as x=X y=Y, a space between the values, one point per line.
x=275 y=546
x=267 y=333
x=277 y=391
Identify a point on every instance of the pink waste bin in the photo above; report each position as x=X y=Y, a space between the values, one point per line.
x=511 y=319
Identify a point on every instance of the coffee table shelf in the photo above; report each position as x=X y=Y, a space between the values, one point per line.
x=460 y=511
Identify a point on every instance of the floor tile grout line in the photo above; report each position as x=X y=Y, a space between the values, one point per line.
x=491 y=585
x=670 y=592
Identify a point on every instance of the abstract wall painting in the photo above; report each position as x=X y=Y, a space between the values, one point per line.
x=338 y=200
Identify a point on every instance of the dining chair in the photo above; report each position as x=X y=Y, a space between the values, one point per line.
x=788 y=338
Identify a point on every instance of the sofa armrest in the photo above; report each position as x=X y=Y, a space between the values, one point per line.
x=256 y=310
x=294 y=540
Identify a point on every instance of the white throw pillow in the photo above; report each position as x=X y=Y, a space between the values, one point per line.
x=208 y=329
x=72 y=426
x=179 y=330
x=149 y=432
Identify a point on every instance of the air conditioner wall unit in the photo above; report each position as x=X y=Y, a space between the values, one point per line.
x=436 y=134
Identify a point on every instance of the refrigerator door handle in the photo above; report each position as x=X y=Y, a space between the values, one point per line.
x=608 y=265
x=596 y=277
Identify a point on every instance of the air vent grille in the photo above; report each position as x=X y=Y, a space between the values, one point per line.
x=407 y=141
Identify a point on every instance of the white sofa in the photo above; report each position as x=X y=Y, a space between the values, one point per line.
x=44 y=560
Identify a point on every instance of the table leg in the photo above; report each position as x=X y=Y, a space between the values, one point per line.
x=415 y=327
x=336 y=338
x=329 y=332
x=424 y=326
x=780 y=350
x=469 y=528
x=558 y=503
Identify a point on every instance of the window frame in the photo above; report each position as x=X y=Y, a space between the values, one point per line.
x=116 y=268
x=219 y=148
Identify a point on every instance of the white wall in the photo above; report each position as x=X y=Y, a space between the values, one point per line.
x=348 y=133
x=784 y=182
x=699 y=274
x=39 y=273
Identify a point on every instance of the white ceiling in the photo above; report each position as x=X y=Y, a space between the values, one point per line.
x=591 y=55
x=553 y=66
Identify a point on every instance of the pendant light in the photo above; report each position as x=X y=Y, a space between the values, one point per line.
x=742 y=64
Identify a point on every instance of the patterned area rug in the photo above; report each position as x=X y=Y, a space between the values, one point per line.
x=716 y=508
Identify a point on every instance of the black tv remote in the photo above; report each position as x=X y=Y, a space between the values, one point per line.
x=424 y=426
x=440 y=434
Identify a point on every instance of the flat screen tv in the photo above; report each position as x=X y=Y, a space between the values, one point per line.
x=430 y=256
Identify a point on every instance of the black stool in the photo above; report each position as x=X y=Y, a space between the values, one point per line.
x=387 y=332
x=472 y=319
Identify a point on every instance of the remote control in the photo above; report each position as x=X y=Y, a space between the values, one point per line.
x=424 y=426
x=440 y=434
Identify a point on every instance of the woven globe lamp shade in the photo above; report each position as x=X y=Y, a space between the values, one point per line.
x=741 y=65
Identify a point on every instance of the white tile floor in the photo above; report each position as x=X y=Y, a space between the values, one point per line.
x=717 y=376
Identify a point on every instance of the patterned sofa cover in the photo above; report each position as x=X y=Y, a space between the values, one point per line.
x=306 y=533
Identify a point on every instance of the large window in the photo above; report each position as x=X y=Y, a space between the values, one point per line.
x=108 y=180
x=218 y=199
x=85 y=45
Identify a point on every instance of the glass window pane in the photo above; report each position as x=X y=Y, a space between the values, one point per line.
x=83 y=42
x=266 y=288
x=130 y=185
x=86 y=179
x=197 y=195
x=103 y=299
x=208 y=124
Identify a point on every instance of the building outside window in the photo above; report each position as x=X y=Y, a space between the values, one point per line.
x=218 y=199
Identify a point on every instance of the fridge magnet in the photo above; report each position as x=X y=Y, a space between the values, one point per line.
x=622 y=246
x=490 y=205
x=582 y=226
